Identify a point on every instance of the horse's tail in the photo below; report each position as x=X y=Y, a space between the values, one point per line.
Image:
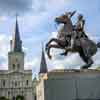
x=98 y=44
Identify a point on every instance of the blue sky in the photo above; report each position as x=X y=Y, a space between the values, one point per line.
x=36 y=24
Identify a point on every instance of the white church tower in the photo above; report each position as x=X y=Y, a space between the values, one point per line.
x=16 y=82
x=16 y=54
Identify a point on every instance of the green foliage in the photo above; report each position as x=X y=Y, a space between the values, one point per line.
x=19 y=97
x=98 y=68
x=3 y=98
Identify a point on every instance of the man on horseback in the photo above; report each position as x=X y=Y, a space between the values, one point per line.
x=79 y=33
x=72 y=38
x=76 y=34
x=64 y=35
x=79 y=27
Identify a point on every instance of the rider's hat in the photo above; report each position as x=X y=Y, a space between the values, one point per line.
x=80 y=16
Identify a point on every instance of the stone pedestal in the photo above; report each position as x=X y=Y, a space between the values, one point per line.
x=70 y=85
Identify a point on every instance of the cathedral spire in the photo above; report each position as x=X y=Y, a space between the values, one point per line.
x=43 y=65
x=16 y=43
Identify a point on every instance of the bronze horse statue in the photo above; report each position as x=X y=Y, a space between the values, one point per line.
x=84 y=46
x=63 y=35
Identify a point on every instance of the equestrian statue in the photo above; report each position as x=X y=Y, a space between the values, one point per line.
x=72 y=38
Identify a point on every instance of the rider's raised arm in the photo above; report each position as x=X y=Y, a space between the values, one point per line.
x=72 y=13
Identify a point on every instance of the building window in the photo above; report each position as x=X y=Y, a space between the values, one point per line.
x=16 y=60
x=15 y=84
x=8 y=93
x=22 y=92
x=26 y=82
x=13 y=66
x=18 y=66
x=3 y=82
x=35 y=97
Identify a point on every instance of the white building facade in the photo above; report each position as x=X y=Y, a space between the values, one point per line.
x=16 y=81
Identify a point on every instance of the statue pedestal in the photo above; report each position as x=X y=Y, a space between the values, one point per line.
x=86 y=83
x=73 y=84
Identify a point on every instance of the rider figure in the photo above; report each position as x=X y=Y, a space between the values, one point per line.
x=78 y=31
x=79 y=27
x=70 y=14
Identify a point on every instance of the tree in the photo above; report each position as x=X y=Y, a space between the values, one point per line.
x=3 y=98
x=19 y=97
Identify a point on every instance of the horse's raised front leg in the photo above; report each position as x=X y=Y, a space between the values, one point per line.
x=52 y=40
x=67 y=49
x=51 y=46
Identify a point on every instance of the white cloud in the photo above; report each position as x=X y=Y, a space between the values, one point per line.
x=4 y=41
x=4 y=48
x=54 y=35
x=70 y=61
x=3 y=18
x=12 y=7
x=38 y=18
x=32 y=64
x=48 y=5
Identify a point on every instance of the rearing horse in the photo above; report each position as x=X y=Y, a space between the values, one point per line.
x=64 y=34
x=84 y=46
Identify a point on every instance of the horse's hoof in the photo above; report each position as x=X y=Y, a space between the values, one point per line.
x=50 y=57
x=47 y=45
x=62 y=54
x=84 y=67
x=46 y=48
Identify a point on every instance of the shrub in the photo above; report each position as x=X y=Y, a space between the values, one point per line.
x=19 y=97
x=3 y=98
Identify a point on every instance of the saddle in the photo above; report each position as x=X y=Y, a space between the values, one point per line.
x=88 y=46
